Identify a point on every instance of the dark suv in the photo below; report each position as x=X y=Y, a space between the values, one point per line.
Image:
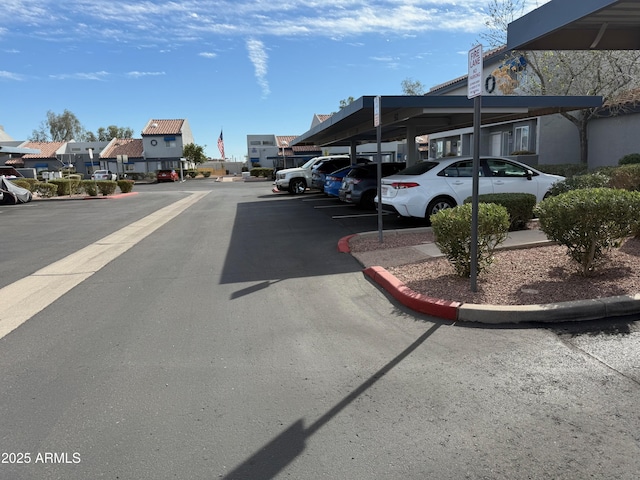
x=360 y=186
x=320 y=171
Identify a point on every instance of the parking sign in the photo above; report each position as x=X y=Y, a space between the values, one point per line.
x=475 y=72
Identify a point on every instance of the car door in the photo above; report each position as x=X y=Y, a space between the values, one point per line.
x=459 y=178
x=509 y=177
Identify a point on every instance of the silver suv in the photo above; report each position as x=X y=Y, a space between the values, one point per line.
x=296 y=180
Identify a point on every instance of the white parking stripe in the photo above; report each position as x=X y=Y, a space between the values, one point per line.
x=21 y=300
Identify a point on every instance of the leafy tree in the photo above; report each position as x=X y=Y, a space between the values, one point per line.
x=610 y=74
x=345 y=102
x=59 y=128
x=194 y=153
x=412 y=87
x=109 y=133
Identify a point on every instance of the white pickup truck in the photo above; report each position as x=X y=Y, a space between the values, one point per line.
x=296 y=180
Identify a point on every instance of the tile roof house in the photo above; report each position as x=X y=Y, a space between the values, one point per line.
x=163 y=141
x=47 y=159
x=125 y=154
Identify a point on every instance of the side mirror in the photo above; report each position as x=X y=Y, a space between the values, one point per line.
x=529 y=174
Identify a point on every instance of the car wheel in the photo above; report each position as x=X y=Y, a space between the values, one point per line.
x=297 y=186
x=437 y=204
x=366 y=200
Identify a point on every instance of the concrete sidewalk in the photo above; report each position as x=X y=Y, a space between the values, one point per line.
x=376 y=262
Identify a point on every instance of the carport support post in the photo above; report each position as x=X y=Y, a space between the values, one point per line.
x=477 y=109
x=376 y=120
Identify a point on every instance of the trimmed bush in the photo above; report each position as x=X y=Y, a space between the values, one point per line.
x=589 y=222
x=125 y=186
x=46 y=190
x=90 y=188
x=626 y=177
x=452 y=229
x=106 y=187
x=261 y=172
x=565 y=170
x=588 y=180
x=519 y=205
x=66 y=186
x=206 y=173
x=192 y=173
x=629 y=159
x=23 y=183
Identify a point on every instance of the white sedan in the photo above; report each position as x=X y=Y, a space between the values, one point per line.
x=430 y=186
x=104 y=175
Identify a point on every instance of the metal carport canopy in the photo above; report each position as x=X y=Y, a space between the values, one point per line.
x=430 y=114
x=578 y=25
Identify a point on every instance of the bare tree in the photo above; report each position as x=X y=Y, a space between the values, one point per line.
x=412 y=87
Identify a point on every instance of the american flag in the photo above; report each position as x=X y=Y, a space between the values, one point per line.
x=221 y=145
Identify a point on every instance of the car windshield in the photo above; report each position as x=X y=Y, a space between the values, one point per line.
x=418 y=168
x=309 y=163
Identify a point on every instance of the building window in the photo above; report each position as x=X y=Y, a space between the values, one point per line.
x=522 y=139
x=170 y=143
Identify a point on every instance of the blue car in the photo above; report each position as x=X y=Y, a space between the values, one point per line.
x=333 y=181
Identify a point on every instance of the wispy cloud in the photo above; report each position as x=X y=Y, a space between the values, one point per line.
x=100 y=76
x=10 y=75
x=259 y=57
x=208 y=54
x=135 y=74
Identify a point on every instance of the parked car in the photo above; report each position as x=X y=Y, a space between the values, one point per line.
x=320 y=170
x=104 y=175
x=167 y=176
x=297 y=180
x=333 y=181
x=9 y=172
x=360 y=186
x=425 y=188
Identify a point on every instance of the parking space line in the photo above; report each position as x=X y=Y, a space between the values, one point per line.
x=359 y=215
x=338 y=205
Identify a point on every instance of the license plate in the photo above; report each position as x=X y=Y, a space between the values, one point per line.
x=384 y=190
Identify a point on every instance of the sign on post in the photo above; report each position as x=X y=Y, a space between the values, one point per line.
x=475 y=72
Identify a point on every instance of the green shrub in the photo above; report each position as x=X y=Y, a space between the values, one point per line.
x=46 y=190
x=629 y=159
x=588 y=180
x=626 y=177
x=23 y=183
x=206 y=173
x=452 y=229
x=519 y=205
x=261 y=172
x=192 y=173
x=90 y=188
x=589 y=222
x=564 y=170
x=66 y=186
x=106 y=187
x=125 y=186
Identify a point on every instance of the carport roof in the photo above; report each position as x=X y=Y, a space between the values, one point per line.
x=430 y=114
x=578 y=25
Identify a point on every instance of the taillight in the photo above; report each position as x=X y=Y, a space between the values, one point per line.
x=331 y=178
x=401 y=185
x=356 y=180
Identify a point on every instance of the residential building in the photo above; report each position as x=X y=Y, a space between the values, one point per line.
x=549 y=139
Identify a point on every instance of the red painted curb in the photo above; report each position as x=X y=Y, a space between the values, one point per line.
x=415 y=301
x=343 y=243
x=111 y=197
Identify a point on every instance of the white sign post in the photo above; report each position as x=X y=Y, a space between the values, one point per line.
x=377 y=123
x=475 y=92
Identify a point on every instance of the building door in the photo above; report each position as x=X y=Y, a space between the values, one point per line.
x=496 y=144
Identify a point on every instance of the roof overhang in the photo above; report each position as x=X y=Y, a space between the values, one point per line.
x=6 y=149
x=430 y=114
x=582 y=25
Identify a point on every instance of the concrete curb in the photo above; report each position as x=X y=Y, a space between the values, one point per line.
x=579 y=310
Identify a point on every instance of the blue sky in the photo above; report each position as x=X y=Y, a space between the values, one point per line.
x=244 y=66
